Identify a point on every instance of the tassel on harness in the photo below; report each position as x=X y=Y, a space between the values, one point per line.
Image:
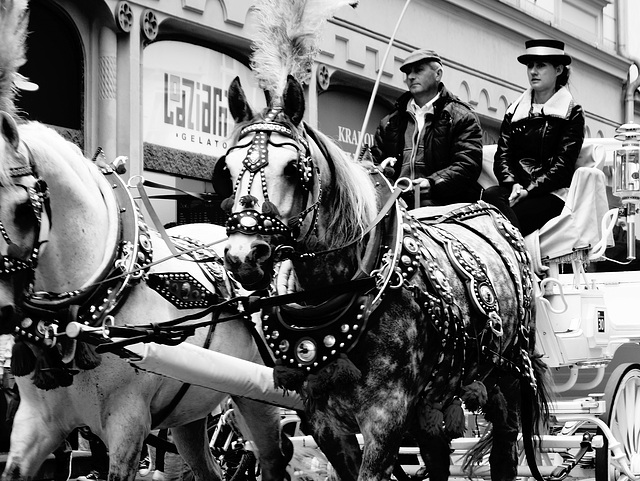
x=454 y=420
x=474 y=396
x=23 y=362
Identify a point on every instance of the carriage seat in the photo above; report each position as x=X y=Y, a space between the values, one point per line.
x=569 y=236
x=434 y=211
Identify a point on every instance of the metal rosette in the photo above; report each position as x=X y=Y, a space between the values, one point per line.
x=408 y=263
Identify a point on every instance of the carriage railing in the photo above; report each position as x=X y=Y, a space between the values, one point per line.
x=570 y=453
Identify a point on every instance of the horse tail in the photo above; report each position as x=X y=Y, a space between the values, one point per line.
x=13 y=32
x=534 y=412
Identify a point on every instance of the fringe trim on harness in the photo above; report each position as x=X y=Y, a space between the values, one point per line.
x=454 y=420
x=495 y=410
x=50 y=372
x=86 y=357
x=580 y=255
x=23 y=362
x=474 y=396
x=288 y=378
x=435 y=420
x=431 y=419
x=334 y=377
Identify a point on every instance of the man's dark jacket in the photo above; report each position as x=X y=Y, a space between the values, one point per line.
x=452 y=145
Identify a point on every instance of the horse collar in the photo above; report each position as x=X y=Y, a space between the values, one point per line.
x=90 y=305
x=312 y=337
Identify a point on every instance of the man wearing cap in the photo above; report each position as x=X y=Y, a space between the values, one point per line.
x=540 y=140
x=431 y=137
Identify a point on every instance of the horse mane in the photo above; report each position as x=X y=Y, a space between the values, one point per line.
x=350 y=192
x=51 y=152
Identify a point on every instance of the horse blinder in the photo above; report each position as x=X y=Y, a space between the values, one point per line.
x=221 y=178
x=14 y=263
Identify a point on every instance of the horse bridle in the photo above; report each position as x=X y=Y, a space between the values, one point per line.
x=38 y=193
x=249 y=221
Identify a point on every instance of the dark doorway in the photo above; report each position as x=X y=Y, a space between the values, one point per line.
x=55 y=62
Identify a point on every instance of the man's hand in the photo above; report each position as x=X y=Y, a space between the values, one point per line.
x=517 y=194
x=388 y=162
x=424 y=184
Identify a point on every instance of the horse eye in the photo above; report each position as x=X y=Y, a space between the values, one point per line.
x=291 y=170
x=25 y=217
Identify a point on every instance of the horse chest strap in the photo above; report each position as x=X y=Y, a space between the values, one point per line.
x=311 y=337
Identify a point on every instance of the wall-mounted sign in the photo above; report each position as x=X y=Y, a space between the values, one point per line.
x=185 y=104
x=340 y=116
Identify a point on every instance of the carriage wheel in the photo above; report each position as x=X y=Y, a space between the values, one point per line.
x=622 y=397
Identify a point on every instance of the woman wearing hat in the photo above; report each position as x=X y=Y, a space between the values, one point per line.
x=540 y=139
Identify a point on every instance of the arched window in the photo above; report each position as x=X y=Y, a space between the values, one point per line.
x=55 y=62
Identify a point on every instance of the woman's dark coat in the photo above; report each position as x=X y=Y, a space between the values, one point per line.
x=539 y=152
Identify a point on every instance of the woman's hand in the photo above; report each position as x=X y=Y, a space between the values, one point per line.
x=517 y=194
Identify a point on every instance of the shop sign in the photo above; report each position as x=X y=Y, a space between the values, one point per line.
x=185 y=97
x=341 y=114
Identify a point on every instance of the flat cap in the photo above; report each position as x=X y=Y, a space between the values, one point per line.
x=419 y=56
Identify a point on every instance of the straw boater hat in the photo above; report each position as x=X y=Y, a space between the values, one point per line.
x=544 y=50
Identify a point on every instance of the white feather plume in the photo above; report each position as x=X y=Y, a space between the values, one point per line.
x=13 y=32
x=286 y=43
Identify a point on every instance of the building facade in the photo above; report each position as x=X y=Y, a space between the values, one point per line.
x=148 y=79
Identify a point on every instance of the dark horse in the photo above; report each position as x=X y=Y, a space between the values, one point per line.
x=401 y=320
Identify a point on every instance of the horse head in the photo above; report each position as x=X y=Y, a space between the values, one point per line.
x=23 y=221
x=56 y=234
x=282 y=176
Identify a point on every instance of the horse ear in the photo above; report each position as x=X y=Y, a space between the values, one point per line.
x=293 y=100
x=9 y=130
x=238 y=105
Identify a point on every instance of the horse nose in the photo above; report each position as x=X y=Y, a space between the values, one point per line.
x=260 y=252
x=252 y=271
x=257 y=252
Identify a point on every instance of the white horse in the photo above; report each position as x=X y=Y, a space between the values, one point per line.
x=75 y=228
